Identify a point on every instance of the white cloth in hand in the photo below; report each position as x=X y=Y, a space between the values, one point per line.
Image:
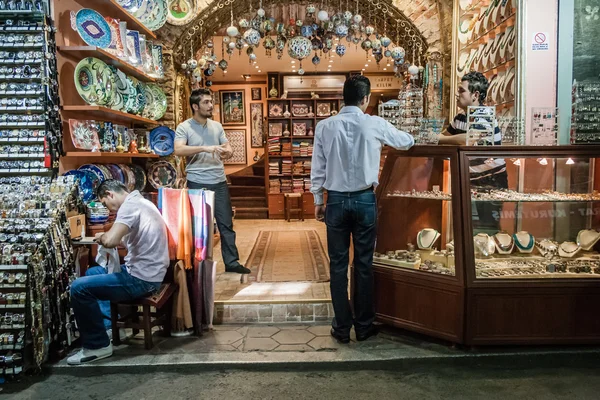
x=109 y=259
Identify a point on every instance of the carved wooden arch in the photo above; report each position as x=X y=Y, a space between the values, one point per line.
x=215 y=18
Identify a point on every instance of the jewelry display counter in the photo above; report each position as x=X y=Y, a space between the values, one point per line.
x=491 y=245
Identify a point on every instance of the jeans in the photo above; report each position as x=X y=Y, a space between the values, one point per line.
x=224 y=216
x=91 y=296
x=353 y=214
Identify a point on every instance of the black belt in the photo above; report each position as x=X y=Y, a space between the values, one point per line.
x=367 y=190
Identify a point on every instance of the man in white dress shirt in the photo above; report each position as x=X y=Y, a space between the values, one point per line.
x=345 y=162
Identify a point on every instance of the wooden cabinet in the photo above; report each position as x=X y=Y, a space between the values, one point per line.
x=276 y=207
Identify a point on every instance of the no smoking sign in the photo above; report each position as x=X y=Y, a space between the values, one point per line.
x=540 y=42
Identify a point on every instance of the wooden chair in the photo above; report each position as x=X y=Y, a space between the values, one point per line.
x=288 y=208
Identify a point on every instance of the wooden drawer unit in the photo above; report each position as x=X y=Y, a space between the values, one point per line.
x=276 y=209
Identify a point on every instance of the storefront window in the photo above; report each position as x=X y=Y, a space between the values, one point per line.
x=586 y=30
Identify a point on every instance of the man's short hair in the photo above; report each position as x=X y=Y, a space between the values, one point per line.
x=110 y=185
x=196 y=96
x=477 y=83
x=355 y=89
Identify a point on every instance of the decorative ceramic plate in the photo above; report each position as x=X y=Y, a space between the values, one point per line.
x=140 y=177
x=116 y=172
x=150 y=105
x=105 y=171
x=157 y=61
x=181 y=12
x=160 y=101
x=95 y=171
x=93 y=28
x=130 y=5
x=86 y=183
x=94 y=81
x=140 y=95
x=133 y=47
x=162 y=141
x=129 y=176
x=131 y=103
x=116 y=44
x=84 y=134
x=121 y=93
x=143 y=6
x=158 y=17
x=162 y=174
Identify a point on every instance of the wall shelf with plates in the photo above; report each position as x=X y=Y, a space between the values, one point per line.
x=117 y=11
x=107 y=114
x=99 y=154
x=80 y=52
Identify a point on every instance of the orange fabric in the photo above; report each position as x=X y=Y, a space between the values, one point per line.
x=170 y=209
x=184 y=248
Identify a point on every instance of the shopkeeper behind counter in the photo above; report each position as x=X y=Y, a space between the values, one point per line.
x=485 y=173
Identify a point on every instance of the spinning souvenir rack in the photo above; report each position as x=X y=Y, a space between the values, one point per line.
x=488 y=255
x=487 y=43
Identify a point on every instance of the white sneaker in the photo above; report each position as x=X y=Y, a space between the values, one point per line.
x=122 y=334
x=85 y=356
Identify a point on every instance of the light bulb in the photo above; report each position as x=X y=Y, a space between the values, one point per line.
x=570 y=161
x=517 y=162
x=543 y=161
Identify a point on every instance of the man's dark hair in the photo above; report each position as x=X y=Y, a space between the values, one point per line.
x=355 y=89
x=110 y=185
x=477 y=83
x=196 y=96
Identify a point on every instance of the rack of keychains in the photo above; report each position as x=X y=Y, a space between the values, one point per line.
x=36 y=256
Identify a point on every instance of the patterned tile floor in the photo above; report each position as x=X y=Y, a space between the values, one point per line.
x=229 y=287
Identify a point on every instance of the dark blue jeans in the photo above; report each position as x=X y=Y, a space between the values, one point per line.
x=224 y=215
x=351 y=215
x=91 y=296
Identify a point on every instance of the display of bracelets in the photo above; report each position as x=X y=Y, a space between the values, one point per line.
x=507 y=267
x=9 y=202
x=428 y=194
x=12 y=320
x=21 y=87
x=22 y=238
x=21 y=39
x=24 y=102
x=511 y=195
x=24 y=225
x=11 y=118
x=437 y=268
x=15 y=299
x=21 y=164
x=21 y=24
x=10 y=340
x=18 y=181
x=22 y=5
x=22 y=133
x=20 y=72
x=17 y=150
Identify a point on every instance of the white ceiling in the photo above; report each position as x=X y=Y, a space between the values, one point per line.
x=355 y=59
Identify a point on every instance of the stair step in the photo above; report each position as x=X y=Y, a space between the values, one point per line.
x=245 y=191
x=249 y=201
x=251 y=213
x=247 y=180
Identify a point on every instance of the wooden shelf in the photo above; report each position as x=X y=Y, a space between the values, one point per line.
x=107 y=114
x=98 y=154
x=81 y=52
x=132 y=22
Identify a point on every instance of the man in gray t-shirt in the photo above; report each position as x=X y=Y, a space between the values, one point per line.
x=140 y=228
x=204 y=144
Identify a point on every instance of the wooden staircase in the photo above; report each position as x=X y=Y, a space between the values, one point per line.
x=247 y=191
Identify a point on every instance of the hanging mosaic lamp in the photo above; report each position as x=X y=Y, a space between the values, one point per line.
x=376 y=44
x=260 y=12
x=244 y=24
x=366 y=45
x=316 y=60
x=232 y=31
x=357 y=19
x=398 y=53
x=223 y=64
x=299 y=47
x=341 y=30
x=323 y=16
x=311 y=9
x=252 y=37
x=226 y=39
x=386 y=41
x=269 y=45
x=306 y=31
x=208 y=83
x=340 y=50
x=348 y=16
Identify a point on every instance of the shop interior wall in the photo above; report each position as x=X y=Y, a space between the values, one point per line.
x=247 y=88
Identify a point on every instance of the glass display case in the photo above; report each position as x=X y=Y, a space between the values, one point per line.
x=422 y=239
x=490 y=245
x=534 y=216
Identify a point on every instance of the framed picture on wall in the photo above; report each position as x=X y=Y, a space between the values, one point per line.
x=256 y=133
x=256 y=93
x=237 y=140
x=232 y=108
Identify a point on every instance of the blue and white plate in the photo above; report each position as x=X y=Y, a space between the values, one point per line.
x=96 y=172
x=86 y=183
x=130 y=5
x=93 y=28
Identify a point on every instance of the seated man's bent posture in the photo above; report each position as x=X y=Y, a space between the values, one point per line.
x=140 y=228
